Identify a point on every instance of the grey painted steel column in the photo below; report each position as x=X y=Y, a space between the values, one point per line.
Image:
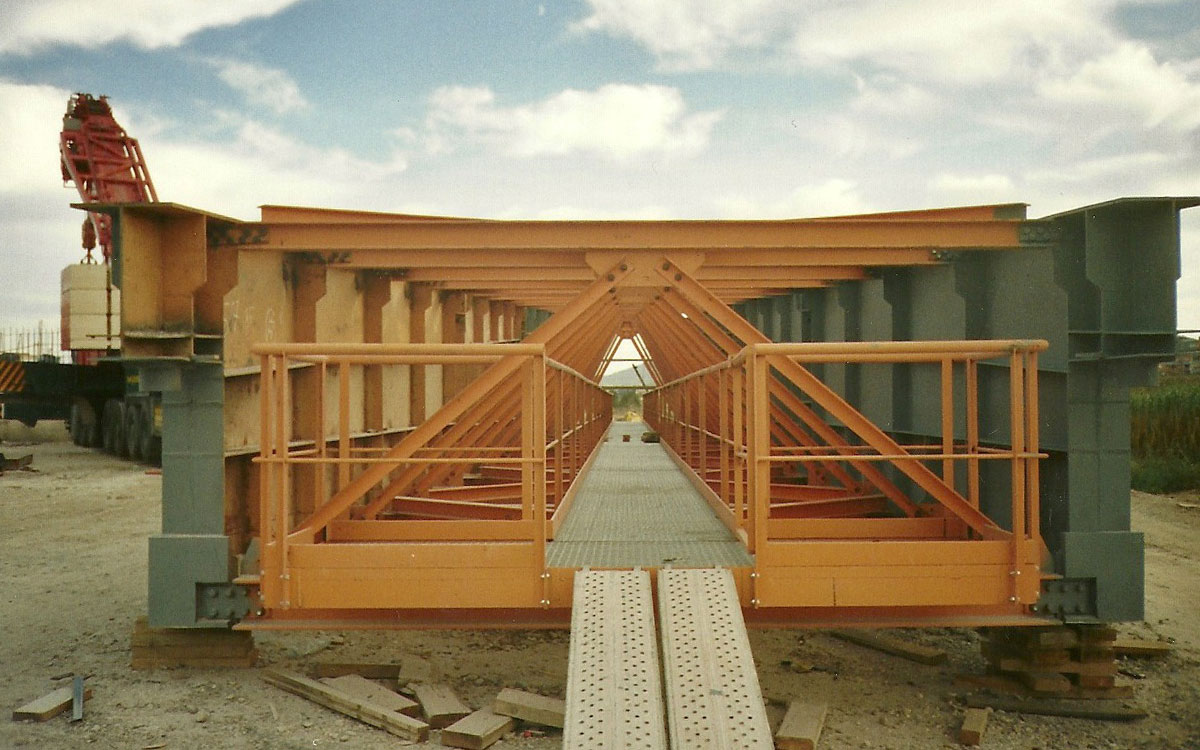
x=192 y=548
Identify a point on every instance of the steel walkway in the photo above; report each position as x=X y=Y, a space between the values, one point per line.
x=635 y=508
x=614 y=698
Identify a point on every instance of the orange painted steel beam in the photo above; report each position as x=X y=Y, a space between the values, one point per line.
x=636 y=236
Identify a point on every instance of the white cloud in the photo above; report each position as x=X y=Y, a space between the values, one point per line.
x=617 y=121
x=30 y=118
x=30 y=25
x=269 y=88
x=832 y=197
x=938 y=39
x=258 y=164
x=974 y=188
x=1128 y=83
x=692 y=34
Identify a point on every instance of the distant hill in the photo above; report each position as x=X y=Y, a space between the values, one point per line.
x=626 y=377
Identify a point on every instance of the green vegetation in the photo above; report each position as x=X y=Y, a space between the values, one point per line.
x=1165 y=436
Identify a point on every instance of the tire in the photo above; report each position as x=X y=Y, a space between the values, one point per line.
x=133 y=431
x=113 y=427
x=75 y=425
x=151 y=446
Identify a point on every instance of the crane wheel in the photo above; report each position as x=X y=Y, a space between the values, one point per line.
x=133 y=431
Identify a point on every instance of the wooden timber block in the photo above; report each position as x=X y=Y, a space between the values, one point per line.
x=477 y=731
x=139 y=662
x=1008 y=685
x=361 y=687
x=153 y=648
x=1139 y=647
x=1055 y=636
x=1096 y=653
x=1055 y=707
x=1095 y=681
x=1045 y=682
x=365 y=711
x=440 y=705
x=894 y=646
x=973 y=726
x=530 y=707
x=801 y=726
x=1096 y=634
x=1009 y=664
x=49 y=705
x=993 y=652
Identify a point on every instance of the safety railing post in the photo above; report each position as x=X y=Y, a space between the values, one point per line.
x=1017 y=426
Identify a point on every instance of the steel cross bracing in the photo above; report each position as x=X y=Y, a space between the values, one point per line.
x=834 y=510
x=409 y=404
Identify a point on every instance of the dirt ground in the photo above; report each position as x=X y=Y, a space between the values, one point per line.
x=73 y=578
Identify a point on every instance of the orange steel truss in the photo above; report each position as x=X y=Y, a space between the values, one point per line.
x=446 y=522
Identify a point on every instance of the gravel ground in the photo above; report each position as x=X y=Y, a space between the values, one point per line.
x=73 y=578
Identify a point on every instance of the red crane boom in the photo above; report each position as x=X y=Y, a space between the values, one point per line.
x=105 y=164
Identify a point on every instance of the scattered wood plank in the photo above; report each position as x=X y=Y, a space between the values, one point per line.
x=477 y=731
x=973 y=726
x=398 y=724
x=1006 y=685
x=1139 y=647
x=373 y=692
x=1013 y=664
x=894 y=646
x=49 y=705
x=531 y=707
x=440 y=705
x=1057 y=707
x=801 y=727
x=372 y=671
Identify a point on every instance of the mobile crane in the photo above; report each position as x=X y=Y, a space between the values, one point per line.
x=94 y=392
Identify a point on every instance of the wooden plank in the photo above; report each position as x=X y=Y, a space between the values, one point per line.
x=477 y=731
x=1139 y=647
x=398 y=724
x=973 y=726
x=1056 y=707
x=614 y=688
x=1097 y=668
x=439 y=704
x=801 y=727
x=49 y=705
x=1007 y=685
x=712 y=689
x=894 y=646
x=373 y=692
x=370 y=670
x=530 y=707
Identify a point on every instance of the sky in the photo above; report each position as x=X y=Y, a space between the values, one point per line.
x=601 y=109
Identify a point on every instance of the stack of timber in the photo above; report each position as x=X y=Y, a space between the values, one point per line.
x=1072 y=661
x=153 y=648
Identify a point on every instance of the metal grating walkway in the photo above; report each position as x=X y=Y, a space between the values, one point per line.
x=614 y=690
x=713 y=696
x=635 y=508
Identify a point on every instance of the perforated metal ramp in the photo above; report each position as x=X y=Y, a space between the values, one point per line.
x=614 y=690
x=713 y=696
x=635 y=508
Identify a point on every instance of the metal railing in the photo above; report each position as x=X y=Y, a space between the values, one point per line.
x=494 y=464
x=789 y=458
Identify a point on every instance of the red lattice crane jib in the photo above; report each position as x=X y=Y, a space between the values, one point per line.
x=105 y=164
